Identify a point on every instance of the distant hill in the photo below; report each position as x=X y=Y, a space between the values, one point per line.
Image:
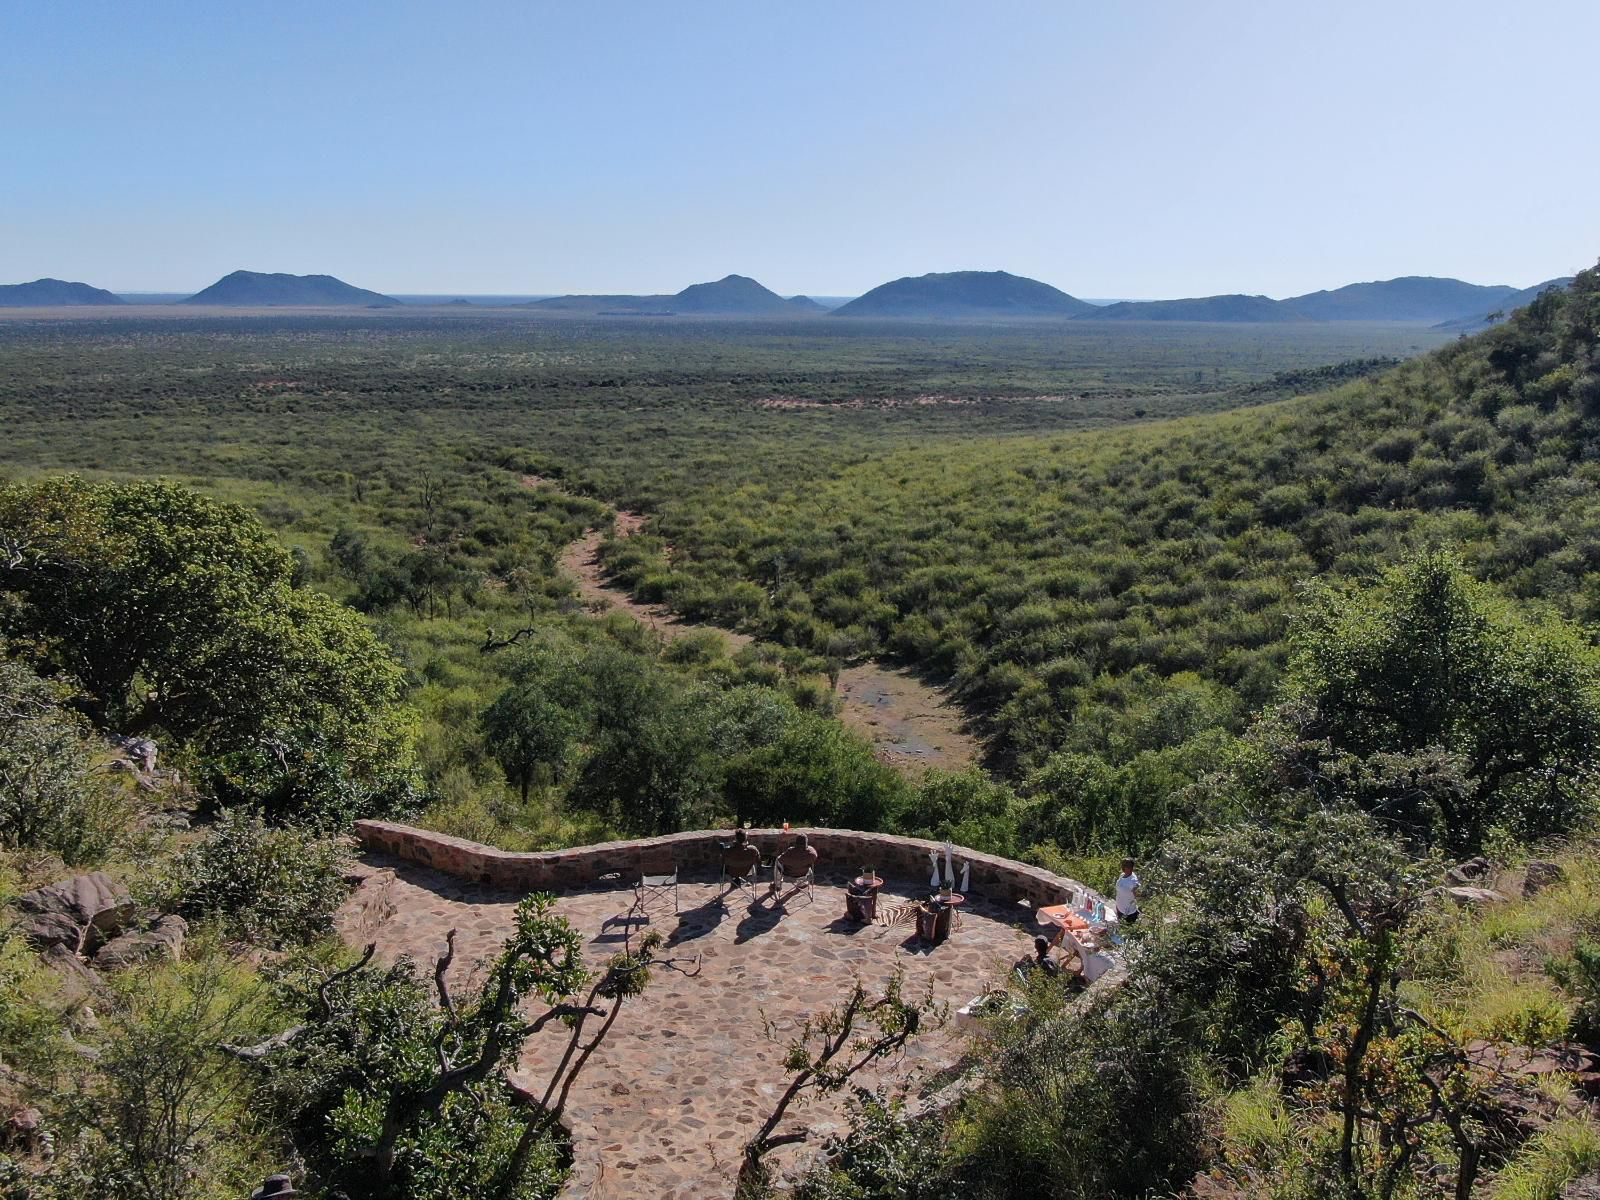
x=1411 y=298
x=50 y=293
x=253 y=289
x=1203 y=308
x=731 y=296
x=1506 y=307
x=965 y=294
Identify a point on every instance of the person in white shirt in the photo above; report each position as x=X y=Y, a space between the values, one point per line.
x=1127 y=894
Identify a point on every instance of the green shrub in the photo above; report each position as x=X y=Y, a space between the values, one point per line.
x=54 y=795
x=268 y=885
x=1579 y=974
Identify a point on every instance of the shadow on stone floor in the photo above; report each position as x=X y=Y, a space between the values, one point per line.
x=757 y=921
x=697 y=922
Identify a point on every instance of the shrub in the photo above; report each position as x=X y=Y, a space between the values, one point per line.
x=276 y=886
x=1579 y=974
x=52 y=794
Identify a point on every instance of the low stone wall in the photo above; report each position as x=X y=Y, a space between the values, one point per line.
x=842 y=854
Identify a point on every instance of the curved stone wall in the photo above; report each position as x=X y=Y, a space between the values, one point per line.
x=842 y=854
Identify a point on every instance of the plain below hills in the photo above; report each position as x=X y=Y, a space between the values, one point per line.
x=255 y=289
x=730 y=296
x=53 y=293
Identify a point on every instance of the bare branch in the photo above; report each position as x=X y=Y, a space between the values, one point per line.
x=439 y=970
x=260 y=1050
x=327 y=984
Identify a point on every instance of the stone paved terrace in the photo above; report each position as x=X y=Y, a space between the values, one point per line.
x=688 y=1073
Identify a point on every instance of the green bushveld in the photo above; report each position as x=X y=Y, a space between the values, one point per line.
x=1120 y=608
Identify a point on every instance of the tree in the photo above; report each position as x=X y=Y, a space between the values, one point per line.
x=816 y=772
x=828 y=1050
x=528 y=730
x=158 y=1111
x=400 y=1094
x=1430 y=662
x=179 y=613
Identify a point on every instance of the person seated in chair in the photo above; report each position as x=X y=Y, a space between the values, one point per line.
x=797 y=859
x=739 y=857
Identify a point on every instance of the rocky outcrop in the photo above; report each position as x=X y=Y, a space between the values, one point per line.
x=1475 y=897
x=1541 y=874
x=78 y=913
x=164 y=939
x=1470 y=871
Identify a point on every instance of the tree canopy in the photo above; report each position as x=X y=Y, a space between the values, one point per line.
x=178 y=614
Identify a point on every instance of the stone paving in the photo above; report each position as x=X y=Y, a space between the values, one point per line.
x=688 y=1073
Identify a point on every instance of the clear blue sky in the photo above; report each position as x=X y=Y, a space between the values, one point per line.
x=1137 y=148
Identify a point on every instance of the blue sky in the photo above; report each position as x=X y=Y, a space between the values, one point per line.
x=1137 y=148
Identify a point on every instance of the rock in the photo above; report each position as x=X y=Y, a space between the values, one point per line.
x=76 y=981
x=138 y=752
x=52 y=930
x=1586 y=1187
x=1541 y=874
x=163 y=940
x=21 y=1130
x=369 y=907
x=75 y=912
x=1467 y=872
x=1475 y=897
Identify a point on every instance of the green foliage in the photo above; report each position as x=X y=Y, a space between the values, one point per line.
x=178 y=613
x=1579 y=974
x=163 y=1112
x=397 y=1098
x=883 y=1156
x=529 y=731
x=1432 y=662
x=965 y=807
x=54 y=794
x=268 y=886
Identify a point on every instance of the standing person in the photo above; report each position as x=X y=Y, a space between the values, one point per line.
x=1127 y=894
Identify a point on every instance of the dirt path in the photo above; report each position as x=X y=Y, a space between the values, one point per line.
x=910 y=724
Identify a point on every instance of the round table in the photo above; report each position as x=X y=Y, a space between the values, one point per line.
x=861 y=899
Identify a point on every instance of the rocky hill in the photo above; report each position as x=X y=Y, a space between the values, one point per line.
x=965 y=294
x=1506 y=307
x=50 y=293
x=730 y=296
x=1410 y=298
x=254 y=289
x=1203 y=308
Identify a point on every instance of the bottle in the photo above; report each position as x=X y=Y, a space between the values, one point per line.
x=786 y=827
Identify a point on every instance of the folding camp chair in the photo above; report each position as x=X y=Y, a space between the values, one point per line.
x=748 y=879
x=655 y=886
x=780 y=879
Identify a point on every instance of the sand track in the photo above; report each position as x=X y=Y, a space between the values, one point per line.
x=910 y=724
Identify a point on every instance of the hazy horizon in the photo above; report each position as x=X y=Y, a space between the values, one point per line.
x=507 y=149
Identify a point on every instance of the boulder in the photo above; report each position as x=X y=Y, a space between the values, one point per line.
x=1475 y=897
x=75 y=912
x=369 y=907
x=76 y=983
x=1541 y=874
x=22 y=1129
x=1469 y=871
x=163 y=940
